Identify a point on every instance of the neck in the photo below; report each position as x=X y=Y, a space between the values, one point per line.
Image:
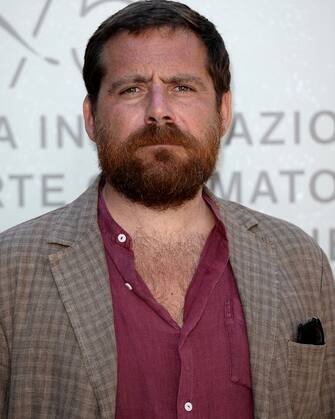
x=193 y=216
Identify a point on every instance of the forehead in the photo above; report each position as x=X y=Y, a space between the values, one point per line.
x=161 y=49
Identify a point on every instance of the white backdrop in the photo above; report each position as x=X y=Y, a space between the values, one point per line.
x=279 y=157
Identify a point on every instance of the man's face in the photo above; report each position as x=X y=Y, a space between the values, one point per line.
x=156 y=124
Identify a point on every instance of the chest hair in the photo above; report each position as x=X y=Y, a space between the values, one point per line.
x=167 y=266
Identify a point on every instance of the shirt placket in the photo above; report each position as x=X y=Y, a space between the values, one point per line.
x=186 y=404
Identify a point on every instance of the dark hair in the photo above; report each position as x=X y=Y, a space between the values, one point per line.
x=142 y=15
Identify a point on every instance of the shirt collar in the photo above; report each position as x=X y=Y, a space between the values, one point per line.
x=119 y=236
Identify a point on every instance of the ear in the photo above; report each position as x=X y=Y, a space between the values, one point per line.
x=226 y=111
x=89 y=117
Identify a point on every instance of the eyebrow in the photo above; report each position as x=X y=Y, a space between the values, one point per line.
x=137 y=78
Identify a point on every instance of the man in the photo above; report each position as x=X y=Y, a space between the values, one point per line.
x=148 y=297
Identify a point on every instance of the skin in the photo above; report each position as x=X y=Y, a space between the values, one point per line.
x=157 y=77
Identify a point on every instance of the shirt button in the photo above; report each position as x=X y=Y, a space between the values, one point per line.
x=188 y=406
x=121 y=238
x=128 y=286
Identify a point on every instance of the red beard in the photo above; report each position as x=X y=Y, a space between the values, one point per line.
x=159 y=177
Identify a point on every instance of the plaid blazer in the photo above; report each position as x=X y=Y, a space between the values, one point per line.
x=57 y=339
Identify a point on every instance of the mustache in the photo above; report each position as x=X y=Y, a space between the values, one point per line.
x=169 y=134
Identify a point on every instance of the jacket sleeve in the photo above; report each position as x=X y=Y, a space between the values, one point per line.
x=4 y=373
x=6 y=300
x=327 y=395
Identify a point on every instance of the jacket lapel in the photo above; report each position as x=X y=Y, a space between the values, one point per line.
x=80 y=272
x=253 y=261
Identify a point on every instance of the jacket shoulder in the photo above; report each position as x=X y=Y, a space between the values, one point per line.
x=62 y=225
x=29 y=233
x=289 y=240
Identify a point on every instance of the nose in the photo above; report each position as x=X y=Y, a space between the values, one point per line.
x=159 y=109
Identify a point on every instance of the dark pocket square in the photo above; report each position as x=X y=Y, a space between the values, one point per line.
x=311 y=332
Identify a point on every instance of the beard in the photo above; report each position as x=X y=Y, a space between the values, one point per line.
x=158 y=177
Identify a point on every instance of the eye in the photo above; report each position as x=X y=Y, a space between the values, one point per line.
x=184 y=89
x=130 y=90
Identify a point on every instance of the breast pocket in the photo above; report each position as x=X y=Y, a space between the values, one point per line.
x=305 y=365
x=238 y=342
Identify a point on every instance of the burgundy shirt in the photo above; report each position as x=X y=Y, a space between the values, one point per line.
x=198 y=371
